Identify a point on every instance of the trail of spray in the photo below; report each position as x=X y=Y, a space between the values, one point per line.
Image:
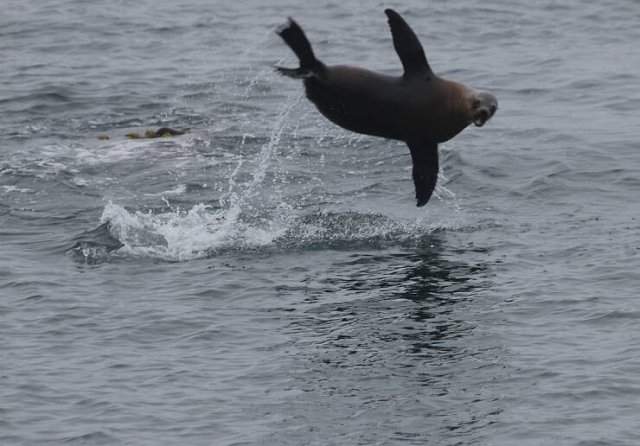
x=238 y=201
x=180 y=234
x=442 y=192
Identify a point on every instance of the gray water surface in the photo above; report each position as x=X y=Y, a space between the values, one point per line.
x=266 y=279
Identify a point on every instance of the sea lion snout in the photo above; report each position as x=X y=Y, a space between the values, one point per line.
x=484 y=106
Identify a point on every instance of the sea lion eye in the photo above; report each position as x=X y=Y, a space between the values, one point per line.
x=475 y=104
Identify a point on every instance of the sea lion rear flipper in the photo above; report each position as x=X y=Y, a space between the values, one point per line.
x=294 y=36
x=407 y=46
x=424 y=156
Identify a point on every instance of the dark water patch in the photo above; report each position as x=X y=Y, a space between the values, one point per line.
x=615 y=316
x=624 y=104
x=91 y=438
x=54 y=97
x=94 y=245
x=379 y=339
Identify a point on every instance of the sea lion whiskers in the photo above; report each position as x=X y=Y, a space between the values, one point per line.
x=478 y=107
x=484 y=106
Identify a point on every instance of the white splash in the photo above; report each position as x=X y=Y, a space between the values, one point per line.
x=201 y=230
x=183 y=235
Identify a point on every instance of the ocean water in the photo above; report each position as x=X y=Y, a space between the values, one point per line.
x=266 y=279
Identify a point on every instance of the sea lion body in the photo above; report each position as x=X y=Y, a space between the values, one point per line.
x=371 y=103
x=419 y=107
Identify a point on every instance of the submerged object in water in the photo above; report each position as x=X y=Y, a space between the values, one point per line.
x=162 y=132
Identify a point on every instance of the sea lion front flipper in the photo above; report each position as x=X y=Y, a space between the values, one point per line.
x=425 y=169
x=407 y=46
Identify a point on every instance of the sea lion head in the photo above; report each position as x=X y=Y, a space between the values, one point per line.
x=482 y=106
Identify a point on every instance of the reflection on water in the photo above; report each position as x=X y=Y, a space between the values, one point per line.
x=414 y=293
x=386 y=336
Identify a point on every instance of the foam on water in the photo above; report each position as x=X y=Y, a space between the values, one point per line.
x=183 y=235
x=201 y=231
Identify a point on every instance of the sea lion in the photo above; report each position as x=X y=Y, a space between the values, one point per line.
x=419 y=107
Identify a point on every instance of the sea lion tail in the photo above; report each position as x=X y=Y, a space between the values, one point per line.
x=293 y=36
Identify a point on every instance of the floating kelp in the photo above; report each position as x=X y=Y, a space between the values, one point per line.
x=162 y=132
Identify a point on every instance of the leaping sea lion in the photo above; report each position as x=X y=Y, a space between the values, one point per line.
x=418 y=107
